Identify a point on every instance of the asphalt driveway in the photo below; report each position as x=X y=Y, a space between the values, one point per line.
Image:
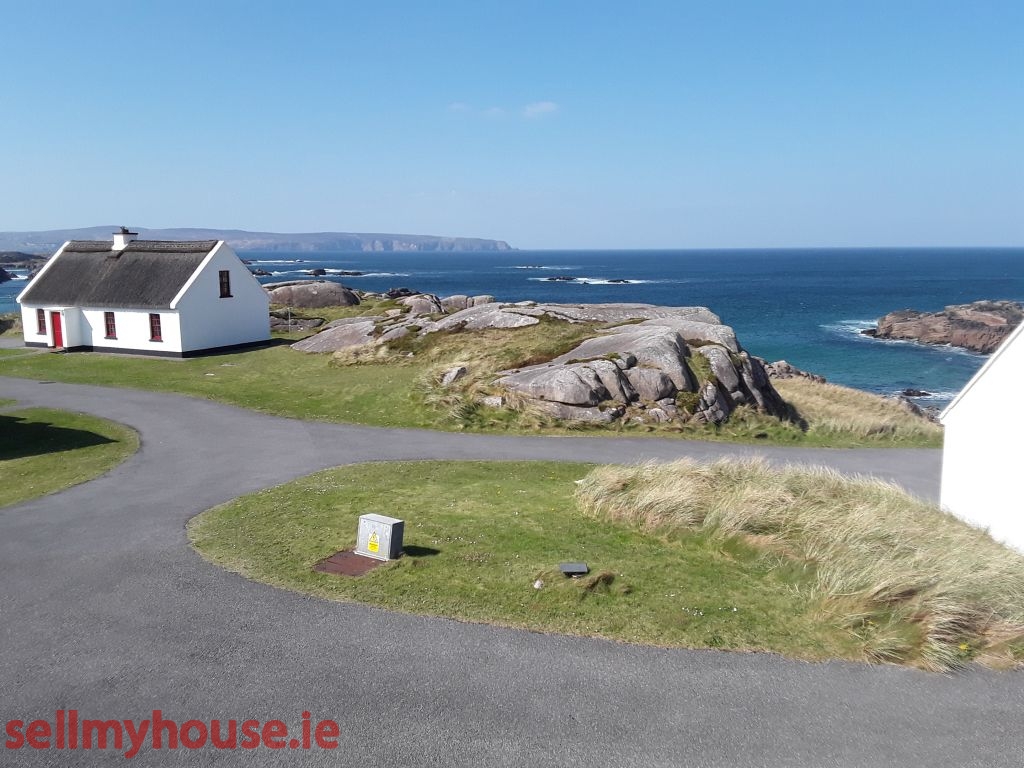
x=105 y=608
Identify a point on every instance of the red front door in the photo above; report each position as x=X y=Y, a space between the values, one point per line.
x=58 y=334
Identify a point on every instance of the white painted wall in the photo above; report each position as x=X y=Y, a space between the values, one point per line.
x=981 y=466
x=29 y=325
x=132 y=327
x=73 y=327
x=209 y=321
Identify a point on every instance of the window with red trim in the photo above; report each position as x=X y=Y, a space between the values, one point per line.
x=154 y=328
x=109 y=325
x=41 y=322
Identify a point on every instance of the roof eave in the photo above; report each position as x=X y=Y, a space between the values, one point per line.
x=981 y=372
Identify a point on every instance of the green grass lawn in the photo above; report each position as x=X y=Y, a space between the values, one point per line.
x=43 y=451
x=482 y=533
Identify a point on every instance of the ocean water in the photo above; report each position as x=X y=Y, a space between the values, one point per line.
x=806 y=306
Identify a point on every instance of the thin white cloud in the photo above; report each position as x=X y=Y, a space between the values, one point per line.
x=532 y=111
x=539 y=109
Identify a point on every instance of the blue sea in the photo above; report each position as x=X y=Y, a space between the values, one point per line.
x=806 y=306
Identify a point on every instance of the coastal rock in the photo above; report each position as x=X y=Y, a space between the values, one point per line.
x=5 y=276
x=696 y=332
x=397 y=293
x=342 y=336
x=483 y=298
x=478 y=318
x=657 y=347
x=712 y=407
x=452 y=375
x=311 y=294
x=980 y=326
x=577 y=413
x=651 y=384
x=723 y=369
x=393 y=334
x=780 y=369
x=568 y=384
x=423 y=304
x=455 y=303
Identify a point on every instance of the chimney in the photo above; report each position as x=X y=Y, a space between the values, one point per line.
x=122 y=238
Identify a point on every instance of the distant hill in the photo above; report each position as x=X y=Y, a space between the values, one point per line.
x=241 y=240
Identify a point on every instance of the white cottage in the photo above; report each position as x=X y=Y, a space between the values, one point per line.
x=151 y=297
x=981 y=466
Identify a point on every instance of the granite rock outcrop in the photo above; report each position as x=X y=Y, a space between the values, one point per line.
x=980 y=326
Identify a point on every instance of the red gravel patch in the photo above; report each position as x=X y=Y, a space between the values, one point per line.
x=347 y=564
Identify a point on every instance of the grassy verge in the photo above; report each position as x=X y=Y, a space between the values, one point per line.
x=399 y=386
x=911 y=582
x=480 y=534
x=43 y=451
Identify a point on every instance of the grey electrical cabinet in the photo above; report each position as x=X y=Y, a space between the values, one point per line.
x=379 y=537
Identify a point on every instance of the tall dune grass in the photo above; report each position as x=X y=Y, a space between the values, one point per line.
x=832 y=411
x=916 y=584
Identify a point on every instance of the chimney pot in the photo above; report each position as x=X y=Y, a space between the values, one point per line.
x=122 y=238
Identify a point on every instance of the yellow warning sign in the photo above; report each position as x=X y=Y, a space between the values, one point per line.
x=374 y=543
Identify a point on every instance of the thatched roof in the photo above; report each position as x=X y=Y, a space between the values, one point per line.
x=147 y=274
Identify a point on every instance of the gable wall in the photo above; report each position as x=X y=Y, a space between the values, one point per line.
x=980 y=470
x=208 y=321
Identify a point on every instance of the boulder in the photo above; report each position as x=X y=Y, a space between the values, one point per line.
x=695 y=332
x=712 y=407
x=723 y=369
x=569 y=384
x=393 y=334
x=452 y=375
x=352 y=334
x=576 y=413
x=780 y=369
x=455 y=303
x=397 y=293
x=312 y=294
x=619 y=387
x=478 y=318
x=480 y=300
x=423 y=304
x=651 y=384
x=650 y=346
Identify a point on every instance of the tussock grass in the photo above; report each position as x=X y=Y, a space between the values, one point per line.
x=914 y=583
x=834 y=411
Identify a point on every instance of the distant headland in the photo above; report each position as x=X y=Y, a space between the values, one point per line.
x=48 y=241
x=980 y=326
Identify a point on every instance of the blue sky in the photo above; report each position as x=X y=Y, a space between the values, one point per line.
x=547 y=124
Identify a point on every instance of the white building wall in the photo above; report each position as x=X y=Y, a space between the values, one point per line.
x=71 y=326
x=981 y=465
x=29 y=325
x=209 y=321
x=132 y=326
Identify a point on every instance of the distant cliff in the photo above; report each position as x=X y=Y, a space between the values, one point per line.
x=242 y=240
x=980 y=326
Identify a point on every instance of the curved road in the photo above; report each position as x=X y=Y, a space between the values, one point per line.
x=105 y=608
